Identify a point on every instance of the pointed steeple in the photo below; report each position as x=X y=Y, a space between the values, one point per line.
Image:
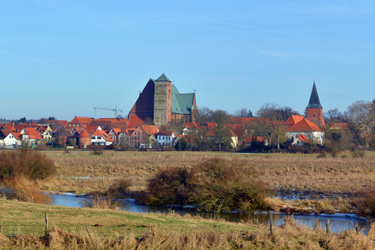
x=163 y=78
x=314 y=102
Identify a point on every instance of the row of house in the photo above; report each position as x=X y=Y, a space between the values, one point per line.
x=83 y=132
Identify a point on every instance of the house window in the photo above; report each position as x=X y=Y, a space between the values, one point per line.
x=99 y=137
x=93 y=138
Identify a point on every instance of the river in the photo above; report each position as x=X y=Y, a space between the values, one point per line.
x=337 y=222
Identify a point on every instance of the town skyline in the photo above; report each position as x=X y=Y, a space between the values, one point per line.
x=64 y=58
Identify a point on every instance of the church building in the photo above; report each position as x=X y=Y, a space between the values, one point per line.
x=309 y=129
x=162 y=103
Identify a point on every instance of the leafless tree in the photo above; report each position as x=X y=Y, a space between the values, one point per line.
x=361 y=115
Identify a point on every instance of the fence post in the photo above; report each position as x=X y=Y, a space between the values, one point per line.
x=46 y=220
x=356 y=228
x=271 y=223
x=1 y=226
x=87 y=229
x=327 y=227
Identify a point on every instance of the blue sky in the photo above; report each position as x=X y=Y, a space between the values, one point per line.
x=62 y=57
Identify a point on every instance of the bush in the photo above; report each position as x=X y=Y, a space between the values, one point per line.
x=119 y=189
x=171 y=186
x=227 y=185
x=214 y=185
x=25 y=162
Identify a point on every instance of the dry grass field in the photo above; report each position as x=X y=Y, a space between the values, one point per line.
x=23 y=227
x=83 y=172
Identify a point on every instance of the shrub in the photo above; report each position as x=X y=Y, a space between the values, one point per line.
x=214 y=185
x=119 y=189
x=227 y=185
x=25 y=162
x=171 y=186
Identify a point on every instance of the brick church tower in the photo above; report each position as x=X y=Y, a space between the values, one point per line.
x=314 y=110
x=162 y=100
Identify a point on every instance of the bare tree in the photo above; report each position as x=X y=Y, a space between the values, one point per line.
x=243 y=112
x=361 y=115
x=275 y=115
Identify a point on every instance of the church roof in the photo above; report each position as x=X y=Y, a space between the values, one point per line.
x=304 y=126
x=163 y=78
x=314 y=102
x=181 y=103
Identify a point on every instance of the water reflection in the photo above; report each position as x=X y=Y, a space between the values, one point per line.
x=336 y=223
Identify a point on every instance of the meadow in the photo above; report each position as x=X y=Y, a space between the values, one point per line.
x=304 y=180
x=23 y=227
x=83 y=172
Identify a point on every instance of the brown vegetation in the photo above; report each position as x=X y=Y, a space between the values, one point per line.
x=25 y=190
x=25 y=162
x=288 y=236
x=214 y=185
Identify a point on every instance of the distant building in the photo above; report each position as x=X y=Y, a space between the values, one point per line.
x=162 y=103
x=310 y=129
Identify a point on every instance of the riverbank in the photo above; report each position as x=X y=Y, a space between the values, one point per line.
x=300 y=183
x=160 y=230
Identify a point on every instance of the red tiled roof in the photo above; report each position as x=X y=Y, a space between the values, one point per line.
x=134 y=121
x=293 y=119
x=81 y=120
x=103 y=134
x=304 y=139
x=61 y=122
x=91 y=129
x=304 y=126
x=166 y=132
x=84 y=134
x=150 y=129
x=116 y=130
x=17 y=135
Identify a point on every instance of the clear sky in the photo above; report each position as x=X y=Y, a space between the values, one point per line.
x=63 y=57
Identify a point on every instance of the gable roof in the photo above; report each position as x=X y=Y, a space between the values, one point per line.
x=293 y=119
x=149 y=129
x=304 y=126
x=81 y=120
x=314 y=102
x=134 y=121
x=163 y=78
x=103 y=134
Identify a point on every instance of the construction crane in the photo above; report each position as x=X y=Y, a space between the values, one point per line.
x=115 y=109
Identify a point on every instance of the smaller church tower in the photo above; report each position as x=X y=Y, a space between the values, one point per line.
x=314 y=110
x=162 y=101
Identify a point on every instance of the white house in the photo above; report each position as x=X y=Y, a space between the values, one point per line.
x=100 y=137
x=11 y=139
x=166 y=137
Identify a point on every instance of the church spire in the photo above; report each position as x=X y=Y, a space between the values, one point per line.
x=314 y=102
